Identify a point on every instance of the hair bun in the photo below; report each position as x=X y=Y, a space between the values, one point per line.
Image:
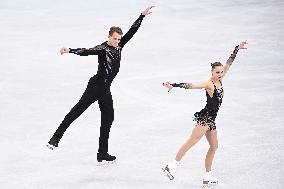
x=213 y=65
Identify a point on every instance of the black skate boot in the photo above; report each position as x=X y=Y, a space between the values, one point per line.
x=53 y=142
x=105 y=159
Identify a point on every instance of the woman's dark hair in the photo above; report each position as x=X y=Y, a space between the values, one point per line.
x=115 y=29
x=213 y=65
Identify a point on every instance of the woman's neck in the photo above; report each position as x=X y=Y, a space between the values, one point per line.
x=214 y=79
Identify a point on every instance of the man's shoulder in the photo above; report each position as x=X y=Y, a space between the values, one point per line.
x=101 y=46
x=104 y=43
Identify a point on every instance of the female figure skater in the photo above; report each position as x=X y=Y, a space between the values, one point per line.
x=205 y=118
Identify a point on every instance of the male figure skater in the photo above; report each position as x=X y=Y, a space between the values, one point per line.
x=98 y=88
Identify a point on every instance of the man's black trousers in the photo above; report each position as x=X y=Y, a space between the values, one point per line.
x=96 y=90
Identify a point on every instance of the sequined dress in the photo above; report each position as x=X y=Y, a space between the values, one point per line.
x=206 y=117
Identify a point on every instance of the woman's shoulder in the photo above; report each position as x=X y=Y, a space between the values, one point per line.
x=210 y=84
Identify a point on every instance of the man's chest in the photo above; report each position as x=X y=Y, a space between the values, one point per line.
x=113 y=54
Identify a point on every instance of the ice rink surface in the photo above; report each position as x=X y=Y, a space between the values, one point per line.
x=176 y=43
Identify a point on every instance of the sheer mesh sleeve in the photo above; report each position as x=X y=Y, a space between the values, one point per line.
x=233 y=56
x=183 y=85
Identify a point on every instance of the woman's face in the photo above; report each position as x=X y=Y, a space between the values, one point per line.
x=217 y=72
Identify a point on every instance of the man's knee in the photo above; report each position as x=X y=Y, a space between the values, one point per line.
x=107 y=119
x=110 y=117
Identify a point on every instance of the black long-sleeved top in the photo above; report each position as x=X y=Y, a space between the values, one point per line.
x=108 y=56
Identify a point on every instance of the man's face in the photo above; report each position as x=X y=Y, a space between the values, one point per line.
x=114 y=39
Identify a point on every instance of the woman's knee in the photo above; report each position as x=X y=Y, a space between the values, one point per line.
x=214 y=147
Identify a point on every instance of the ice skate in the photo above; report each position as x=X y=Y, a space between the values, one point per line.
x=105 y=159
x=170 y=169
x=209 y=180
x=53 y=142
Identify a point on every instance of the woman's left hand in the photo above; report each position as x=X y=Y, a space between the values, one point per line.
x=243 y=44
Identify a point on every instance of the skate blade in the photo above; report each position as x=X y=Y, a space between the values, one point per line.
x=50 y=147
x=106 y=163
x=207 y=184
x=168 y=174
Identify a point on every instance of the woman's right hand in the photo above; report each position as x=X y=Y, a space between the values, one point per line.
x=168 y=86
x=64 y=50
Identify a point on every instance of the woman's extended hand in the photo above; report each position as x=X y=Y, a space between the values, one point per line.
x=168 y=85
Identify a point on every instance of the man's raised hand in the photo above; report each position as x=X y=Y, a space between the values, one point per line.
x=147 y=11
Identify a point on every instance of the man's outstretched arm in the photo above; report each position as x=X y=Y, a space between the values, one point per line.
x=83 y=51
x=135 y=26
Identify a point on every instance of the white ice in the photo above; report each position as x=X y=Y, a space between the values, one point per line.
x=176 y=43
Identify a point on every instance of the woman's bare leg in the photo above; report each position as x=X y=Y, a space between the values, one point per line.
x=213 y=142
x=196 y=135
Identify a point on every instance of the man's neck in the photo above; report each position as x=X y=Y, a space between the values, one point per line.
x=109 y=44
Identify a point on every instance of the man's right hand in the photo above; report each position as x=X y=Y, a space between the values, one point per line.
x=64 y=50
